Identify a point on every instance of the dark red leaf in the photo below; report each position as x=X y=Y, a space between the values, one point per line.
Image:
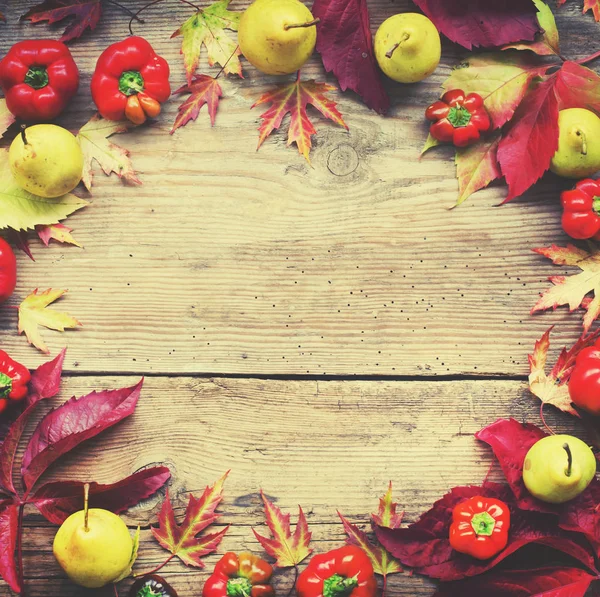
x=425 y=547
x=531 y=140
x=86 y=14
x=345 y=43
x=45 y=383
x=481 y=22
x=19 y=237
x=549 y=582
x=77 y=420
x=56 y=501
x=9 y=517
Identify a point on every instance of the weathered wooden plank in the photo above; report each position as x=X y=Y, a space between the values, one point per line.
x=324 y=445
x=232 y=261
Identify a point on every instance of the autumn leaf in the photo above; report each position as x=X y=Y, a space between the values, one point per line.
x=577 y=86
x=477 y=166
x=572 y=290
x=207 y=26
x=134 y=554
x=203 y=90
x=182 y=540
x=85 y=13
x=21 y=242
x=593 y=5
x=9 y=525
x=6 y=116
x=386 y=515
x=345 y=43
x=287 y=549
x=293 y=99
x=430 y=143
x=93 y=138
x=547 y=42
x=58 y=232
x=33 y=312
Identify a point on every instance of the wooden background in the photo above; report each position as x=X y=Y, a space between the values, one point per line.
x=317 y=330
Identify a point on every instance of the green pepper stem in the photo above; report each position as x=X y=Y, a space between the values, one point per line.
x=5 y=385
x=239 y=587
x=338 y=585
x=569 y=468
x=483 y=524
x=36 y=77
x=131 y=82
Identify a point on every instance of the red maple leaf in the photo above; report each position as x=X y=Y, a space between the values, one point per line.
x=593 y=5
x=86 y=15
x=203 y=90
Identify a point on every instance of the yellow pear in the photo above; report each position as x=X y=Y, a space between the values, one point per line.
x=408 y=47
x=277 y=36
x=578 y=153
x=558 y=468
x=93 y=550
x=46 y=160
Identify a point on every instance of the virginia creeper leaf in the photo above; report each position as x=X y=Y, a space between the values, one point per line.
x=182 y=540
x=33 y=312
x=207 y=27
x=479 y=23
x=346 y=46
x=547 y=42
x=77 y=420
x=58 y=232
x=203 y=90
x=572 y=290
x=21 y=241
x=9 y=516
x=86 y=15
x=93 y=138
x=383 y=562
x=58 y=500
x=531 y=139
x=386 y=515
x=577 y=87
x=287 y=549
x=293 y=99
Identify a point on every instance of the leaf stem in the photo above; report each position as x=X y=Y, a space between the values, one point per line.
x=588 y=59
x=135 y=15
x=294 y=583
x=192 y=5
x=20 y=571
x=227 y=61
x=384 y=588
x=155 y=569
x=544 y=420
x=125 y=10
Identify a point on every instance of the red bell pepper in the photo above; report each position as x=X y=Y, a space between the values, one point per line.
x=243 y=575
x=8 y=271
x=14 y=378
x=458 y=118
x=584 y=383
x=343 y=572
x=130 y=81
x=38 y=78
x=480 y=527
x=581 y=210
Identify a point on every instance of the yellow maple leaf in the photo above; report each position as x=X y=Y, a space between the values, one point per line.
x=33 y=312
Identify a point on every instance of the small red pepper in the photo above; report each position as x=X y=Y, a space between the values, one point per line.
x=343 y=572
x=584 y=383
x=130 y=81
x=480 y=527
x=581 y=210
x=38 y=78
x=8 y=271
x=14 y=378
x=458 y=118
x=243 y=575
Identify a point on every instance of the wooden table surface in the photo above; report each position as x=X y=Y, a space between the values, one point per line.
x=318 y=330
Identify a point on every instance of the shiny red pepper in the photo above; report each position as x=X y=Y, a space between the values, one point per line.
x=243 y=575
x=14 y=378
x=584 y=383
x=458 y=118
x=38 y=78
x=581 y=210
x=130 y=81
x=343 y=572
x=480 y=527
x=8 y=271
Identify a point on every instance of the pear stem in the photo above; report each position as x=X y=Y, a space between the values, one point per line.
x=583 y=139
x=23 y=136
x=391 y=51
x=86 y=499
x=569 y=459
x=300 y=25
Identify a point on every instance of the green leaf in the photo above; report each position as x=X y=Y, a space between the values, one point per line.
x=21 y=210
x=429 y=144
x=546 y=43
x=134 y=555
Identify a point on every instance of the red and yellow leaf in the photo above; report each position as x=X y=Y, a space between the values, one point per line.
x=387 y=515
x=183 y=540
x=58 y=232
x=594 y=6
x=287 y=549
x=203 y=90
x=293 y=99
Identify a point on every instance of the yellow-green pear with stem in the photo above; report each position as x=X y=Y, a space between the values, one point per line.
x=277 y=36
x=558 y=468
x=93 y=546
x=408 y=47
x=578 y=153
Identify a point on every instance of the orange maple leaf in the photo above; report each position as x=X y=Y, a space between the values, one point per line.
x=58 y=232
x=293 y=99
x=287 y=549
x=203 y=90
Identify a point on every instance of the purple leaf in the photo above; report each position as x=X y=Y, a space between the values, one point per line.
x=45 y=381
x=77 y=420
x=9 y=523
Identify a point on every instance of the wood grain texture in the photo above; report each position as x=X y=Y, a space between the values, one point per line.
x=233 y=261
x=324 y=445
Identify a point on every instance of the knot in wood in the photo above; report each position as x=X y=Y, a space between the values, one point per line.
x=342 y=160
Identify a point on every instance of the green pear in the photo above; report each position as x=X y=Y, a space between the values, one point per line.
x=558 y=468
x=277 y=36
x=408 y=47
x=578 y=153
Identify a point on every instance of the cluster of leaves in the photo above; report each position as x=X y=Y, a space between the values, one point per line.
x=61 y=430
x=568 y=532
